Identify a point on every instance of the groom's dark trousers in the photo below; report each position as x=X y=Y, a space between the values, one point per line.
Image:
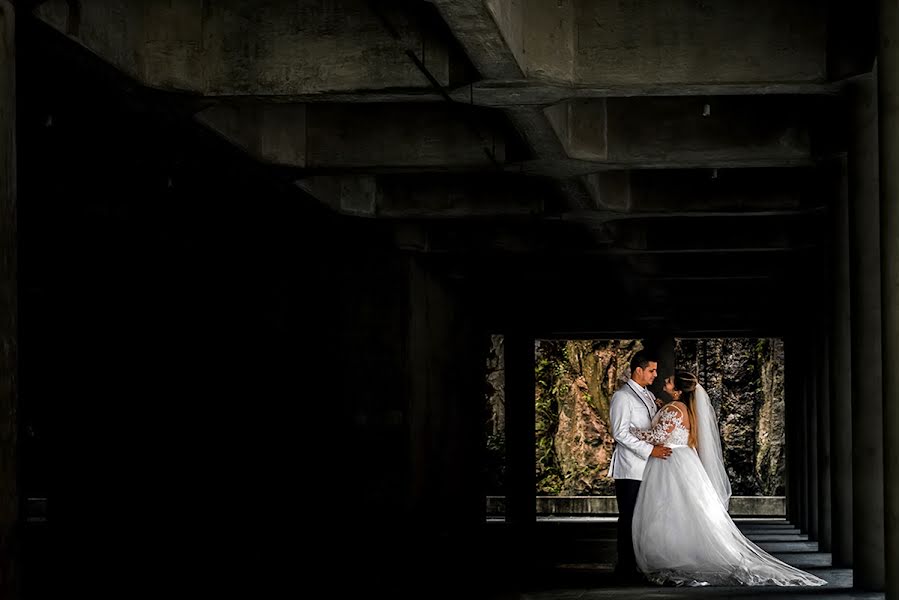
x=626 y=493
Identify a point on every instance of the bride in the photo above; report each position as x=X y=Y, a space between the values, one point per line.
x=682 y=531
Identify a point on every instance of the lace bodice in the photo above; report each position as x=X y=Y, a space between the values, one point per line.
x=667 y=428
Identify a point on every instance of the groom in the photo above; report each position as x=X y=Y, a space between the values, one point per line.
x=633 y=406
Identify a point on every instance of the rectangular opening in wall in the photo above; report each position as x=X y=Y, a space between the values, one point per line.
x=574 y=384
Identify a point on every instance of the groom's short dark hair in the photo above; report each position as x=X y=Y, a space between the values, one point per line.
x=642 y=359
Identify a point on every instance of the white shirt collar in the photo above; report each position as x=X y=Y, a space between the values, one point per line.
x=637 y=385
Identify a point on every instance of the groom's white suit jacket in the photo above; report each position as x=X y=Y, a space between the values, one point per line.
x=632 y=407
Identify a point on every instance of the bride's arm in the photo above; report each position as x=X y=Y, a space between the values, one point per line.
x=668 y=420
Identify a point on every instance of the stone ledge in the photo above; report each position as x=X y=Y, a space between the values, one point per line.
x=740 y=506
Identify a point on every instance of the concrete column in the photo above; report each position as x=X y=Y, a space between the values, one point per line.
x=792 y=468
x=801 y=436
x=822 y=373
x=867 y=390
x=888 y=102
x=8 y=333
x=811 y=399
x=445 y=370
x=520 y=419
x=663 y=346
x=811 y=442
x=841 y=382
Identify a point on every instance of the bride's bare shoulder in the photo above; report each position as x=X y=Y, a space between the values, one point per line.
x=676 y=405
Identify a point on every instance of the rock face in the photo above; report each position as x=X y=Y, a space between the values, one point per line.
x=769 y=435
x=496 y=387
x=494 y=475
x=575 y=381
x=744 y=378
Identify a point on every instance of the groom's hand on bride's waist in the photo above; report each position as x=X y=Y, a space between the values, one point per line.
x=662 y=452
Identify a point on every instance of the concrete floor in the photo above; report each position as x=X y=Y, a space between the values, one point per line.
x=584 y=557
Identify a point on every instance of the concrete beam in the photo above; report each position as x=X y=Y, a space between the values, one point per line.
x=696 y=192
x=758 y=231
x=526 y=94
x=378 y=138
x=650 y=197
x=431 y=197
x=539 y=303
x=645 y=130
x=491 y=32
x=572 y=167
x=242 y=48
x=600 y=217
x=9 y=500
x=542 y=35
x=346 y=53
x=567 y=241
x=538 y=133
x=325 y=136
x=534 y=128
x=757 y=265
x=536 y=93
x=606 y=42
x=475 y=27
x=270 y=133
x=688 y=191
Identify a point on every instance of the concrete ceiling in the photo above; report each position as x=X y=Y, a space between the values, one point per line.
x=666 y=142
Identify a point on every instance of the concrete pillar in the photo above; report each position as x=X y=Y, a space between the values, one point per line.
x=445 y=367
x=796 y=431
x=520 y=442
x=841 y=382
x=811 y=442
x=663 y=346
x=888 y=102
x=822 y=373
x=867 y=390
x=793 y=410
x=801 y=419
x=8 y=333
x=811 y=399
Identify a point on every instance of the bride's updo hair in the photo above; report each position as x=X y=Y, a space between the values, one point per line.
x=686 y=383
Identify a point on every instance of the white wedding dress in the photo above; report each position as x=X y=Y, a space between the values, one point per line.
x=682 y=531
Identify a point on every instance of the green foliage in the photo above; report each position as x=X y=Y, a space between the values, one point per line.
x=736 y=367
x=761 y=350
x=558 y=365
x=552 y=377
